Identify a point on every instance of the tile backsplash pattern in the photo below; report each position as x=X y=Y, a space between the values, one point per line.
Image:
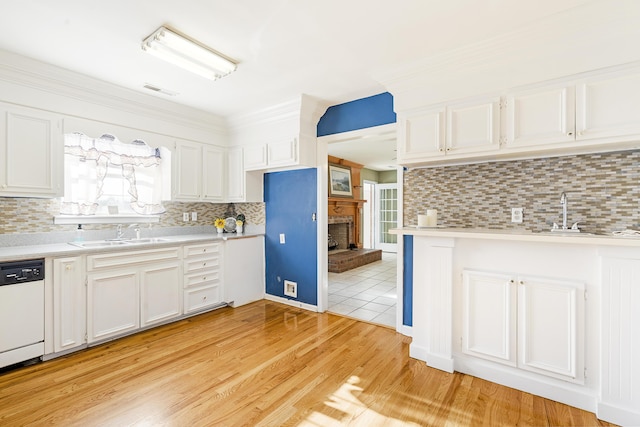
x=603 y=193
x=28 y=215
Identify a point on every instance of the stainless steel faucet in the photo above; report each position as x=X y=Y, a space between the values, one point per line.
x=119 y=232
x=564 y=203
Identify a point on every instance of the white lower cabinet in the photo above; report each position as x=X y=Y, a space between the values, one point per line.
x=532 y=323
x=130 y=290
x=202 y=281
x=69 y=303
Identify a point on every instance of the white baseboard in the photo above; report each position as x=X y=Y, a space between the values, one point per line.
x=291 y=302
x=615 y=414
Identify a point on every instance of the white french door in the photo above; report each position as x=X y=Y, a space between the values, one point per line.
x=386 y=202
x=369 y=214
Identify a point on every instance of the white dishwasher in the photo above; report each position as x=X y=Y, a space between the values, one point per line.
x=21 y=311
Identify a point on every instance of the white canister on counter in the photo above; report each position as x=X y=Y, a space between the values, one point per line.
x=428 y=220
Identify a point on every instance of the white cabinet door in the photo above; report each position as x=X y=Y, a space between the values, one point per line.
x=282 y=153
x=608 y=106
x=421 y=134
x=69 y=303
x=541 y=116
x=551 y=327
x=32 y=153
x=255 y=157
x=473 y=127
x=160 y=292
x=244 y=281
x=235 y=175
x=213 y=174
x=620 y=338
x=489 y=316
x=187 y=171
x=113 y=303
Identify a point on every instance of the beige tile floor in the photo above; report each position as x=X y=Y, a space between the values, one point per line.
x=367 y=293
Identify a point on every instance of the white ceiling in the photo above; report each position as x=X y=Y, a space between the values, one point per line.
x=329 y=49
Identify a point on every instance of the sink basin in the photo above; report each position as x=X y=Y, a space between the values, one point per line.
x=112 y=243
x=100 y=244
x=565 y=234
x=146 y=240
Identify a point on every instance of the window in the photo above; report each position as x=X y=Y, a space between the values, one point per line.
x=105 y=176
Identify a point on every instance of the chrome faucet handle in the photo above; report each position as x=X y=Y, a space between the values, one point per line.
x=575 y=225
x=555 y=226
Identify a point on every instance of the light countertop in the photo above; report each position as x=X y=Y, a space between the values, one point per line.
x=17 y=253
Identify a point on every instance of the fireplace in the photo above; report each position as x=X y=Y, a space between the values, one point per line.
x=341 y=230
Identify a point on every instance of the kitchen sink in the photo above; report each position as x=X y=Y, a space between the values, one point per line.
x=113 y=243
x=146 y=240
x=565 y=234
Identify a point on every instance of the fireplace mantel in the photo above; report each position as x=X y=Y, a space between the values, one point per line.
x=338 y=206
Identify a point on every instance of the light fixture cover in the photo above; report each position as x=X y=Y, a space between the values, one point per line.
x=183 y=52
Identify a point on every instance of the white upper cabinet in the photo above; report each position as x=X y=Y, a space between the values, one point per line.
x=473 y=127
x=199 y=172
x=421 y=134
x=456 y=129
x=31 y=143
x=242 y=186
x=608 y=106
x=541 y=116
x=272 y=155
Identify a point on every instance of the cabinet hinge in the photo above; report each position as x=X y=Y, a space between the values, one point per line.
x=503 y=140
x=86 y=337
x=585 y=373
x=86 y=281
x=503 y=104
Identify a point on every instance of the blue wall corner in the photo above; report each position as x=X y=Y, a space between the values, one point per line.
x=407 y=289
x=362 y=113
x=290 y=201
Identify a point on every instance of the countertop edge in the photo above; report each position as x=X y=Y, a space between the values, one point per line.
x=57 y=250
x=522 y=236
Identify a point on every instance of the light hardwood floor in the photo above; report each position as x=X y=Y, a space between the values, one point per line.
x=264 y=364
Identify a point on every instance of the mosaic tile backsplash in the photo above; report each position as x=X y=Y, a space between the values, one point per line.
x=26 y=215
x=603 y=193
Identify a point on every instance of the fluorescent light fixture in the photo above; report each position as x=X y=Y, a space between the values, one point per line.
x=175 y=48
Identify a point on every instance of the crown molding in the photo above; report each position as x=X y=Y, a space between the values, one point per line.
x=43 y=77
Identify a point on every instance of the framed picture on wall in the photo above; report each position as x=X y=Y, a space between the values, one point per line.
x=340 y=181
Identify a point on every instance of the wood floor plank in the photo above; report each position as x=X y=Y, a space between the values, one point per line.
x=264 y=364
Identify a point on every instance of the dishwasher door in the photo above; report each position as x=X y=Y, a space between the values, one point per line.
x=21 y=322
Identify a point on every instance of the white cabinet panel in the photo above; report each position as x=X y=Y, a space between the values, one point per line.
x=541 y=116
x=255 y=157
x=198 y=172
x=201 y=298
x=213 y=174
x=31 y=143
x=282 y=153
x=244 y=281
x=114 y=302
x=608 y=106
x=550 y=327
x=620 y=340
x=160 y=290
x=202 y=265
x=473 y=127
x=69 y=303
x=421 y=134
x=187 y=171
x=489 y=316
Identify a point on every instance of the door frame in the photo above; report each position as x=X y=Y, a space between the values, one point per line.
x=322 y=167
x=386 y=247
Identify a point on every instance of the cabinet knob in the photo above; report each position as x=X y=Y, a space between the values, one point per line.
x=579 y=133
x=512 y=281
x=442 y=149
x=204 y=278
x=448 y=149
x=68 y=267
x=204 y=250
x=204 y=298
x=522 y=282
x=204 y=264
x=569 y=133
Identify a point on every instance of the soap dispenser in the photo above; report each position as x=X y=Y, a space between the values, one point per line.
x=79 y=234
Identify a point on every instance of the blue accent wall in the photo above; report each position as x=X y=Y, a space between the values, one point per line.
x=407 y=291
x=290 y=201
x=362 y=113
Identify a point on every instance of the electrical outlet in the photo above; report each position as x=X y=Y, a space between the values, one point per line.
x=282 y=238
x=185 y=216
x=291 y=289
x=517 y=215
x=194 y=216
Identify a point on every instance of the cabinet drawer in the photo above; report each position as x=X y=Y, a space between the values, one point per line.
x=202 y=249
x=191 y=266
x=200 y=298
x=118 y=259
x=205 y=278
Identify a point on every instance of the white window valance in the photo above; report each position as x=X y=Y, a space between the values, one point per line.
x=105 y=172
